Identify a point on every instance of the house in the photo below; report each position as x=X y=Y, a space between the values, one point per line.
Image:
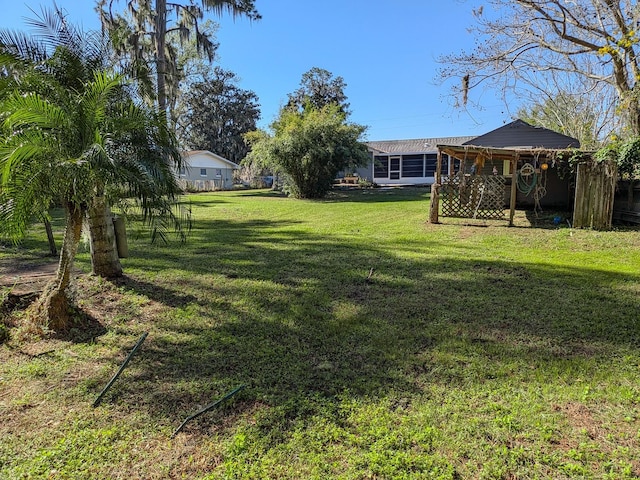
x=533 y=146
x=516 y=164
x=405 y=162
x=413 y=162
x=205 y=171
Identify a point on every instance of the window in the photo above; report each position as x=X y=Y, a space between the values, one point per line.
x=218 y=172
x=203 y=172
x=412 y=166
x=456 y=166
x=183 y=172
x=380 y=167
x=431 y=163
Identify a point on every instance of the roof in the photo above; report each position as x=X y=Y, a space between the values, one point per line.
x=464 y=152
x=417 y=145
x=519 y=134
x=192 y=153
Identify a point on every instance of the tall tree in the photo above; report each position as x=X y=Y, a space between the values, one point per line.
x=71 y=141
x=218 y=114
x=319 y=88
x=310 y=148
x=144 y=32
x=520 y=42
x=581 y=110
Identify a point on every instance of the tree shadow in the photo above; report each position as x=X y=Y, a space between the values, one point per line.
x=264 y=304
x=549 y=218
x=378 y=195
x=166 y=296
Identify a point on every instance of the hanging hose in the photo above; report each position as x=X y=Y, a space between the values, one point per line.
x=475 y=214
x=539 y=193
x=527 y=179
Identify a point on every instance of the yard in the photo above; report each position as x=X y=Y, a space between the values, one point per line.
x=372 y=345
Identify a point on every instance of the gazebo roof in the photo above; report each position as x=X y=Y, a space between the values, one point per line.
x=520 y=134
x=470 y=152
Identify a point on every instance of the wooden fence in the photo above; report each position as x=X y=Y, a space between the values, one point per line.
x=595 y=190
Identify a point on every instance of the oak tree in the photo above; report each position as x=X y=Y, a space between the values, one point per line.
x=218 y=114
x=520 y=42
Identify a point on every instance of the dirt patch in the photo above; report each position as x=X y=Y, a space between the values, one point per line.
x=606 y=431
x=25 y=278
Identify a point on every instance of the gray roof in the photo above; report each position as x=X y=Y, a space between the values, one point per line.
x=417 y=145
x=519 y=134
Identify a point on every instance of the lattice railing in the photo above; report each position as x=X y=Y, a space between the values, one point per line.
x=473 y=196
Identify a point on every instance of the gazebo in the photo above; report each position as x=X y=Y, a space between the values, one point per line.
x=520 y=163
x=481 y=180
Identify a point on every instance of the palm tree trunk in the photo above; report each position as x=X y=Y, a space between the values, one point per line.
x=102 y=240
x=51 y=240
x=52 y=309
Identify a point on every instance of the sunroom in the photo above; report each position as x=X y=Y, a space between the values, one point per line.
x=406 y=162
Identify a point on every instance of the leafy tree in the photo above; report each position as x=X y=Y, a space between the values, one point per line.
x=319 y=88
x=522 y=42
x=145 y=32
x=218 y=114
x=562 y=113
x=255 y=165
x=71 y=133
x=311 y=147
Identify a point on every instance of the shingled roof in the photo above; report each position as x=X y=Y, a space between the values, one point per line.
x=417 y=145
x=519 y=134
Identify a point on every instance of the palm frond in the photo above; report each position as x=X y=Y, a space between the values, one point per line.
x=51 y=27
x=17 y=47
x=32 y=110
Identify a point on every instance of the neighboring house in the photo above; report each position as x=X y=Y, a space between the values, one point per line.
x=413 y=162
x=406 y=162
x=204 y=170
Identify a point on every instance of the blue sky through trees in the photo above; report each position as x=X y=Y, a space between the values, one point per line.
x=385 y=51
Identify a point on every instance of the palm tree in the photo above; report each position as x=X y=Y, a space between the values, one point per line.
x=71 y=132
x=145 y=32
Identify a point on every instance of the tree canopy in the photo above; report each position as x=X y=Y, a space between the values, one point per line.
x=149 y=30
x=319 y=88
x=218 y=114
x=522 y=42
x=311 y=147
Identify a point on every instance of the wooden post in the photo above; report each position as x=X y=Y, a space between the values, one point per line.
x=121 y=237
x=514 y=181
x=434 y=205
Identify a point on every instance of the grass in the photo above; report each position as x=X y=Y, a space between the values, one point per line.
x=372 y=344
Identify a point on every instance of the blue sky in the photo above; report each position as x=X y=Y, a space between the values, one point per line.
x=385 y=51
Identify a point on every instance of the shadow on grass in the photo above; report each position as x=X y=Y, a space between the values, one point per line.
x=166 y=296
x=549 y=218
x=304 y=319
x=341 y=194
x=379 y=195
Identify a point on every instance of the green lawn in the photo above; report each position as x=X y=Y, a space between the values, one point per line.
x=372 y=345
